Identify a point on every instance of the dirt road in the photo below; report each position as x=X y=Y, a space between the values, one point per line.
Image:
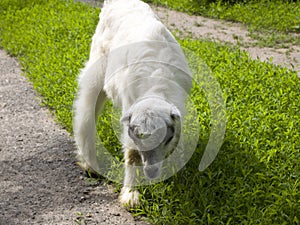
x=39 y=181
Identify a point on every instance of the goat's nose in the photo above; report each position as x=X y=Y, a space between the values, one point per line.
x=141 y=134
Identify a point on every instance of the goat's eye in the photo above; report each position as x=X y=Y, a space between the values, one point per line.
x=131 y=131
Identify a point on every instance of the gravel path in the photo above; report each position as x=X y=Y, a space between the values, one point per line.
x=200 y=27
x=39 y=181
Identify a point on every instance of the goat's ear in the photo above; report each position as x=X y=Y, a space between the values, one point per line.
x=126 y=117
x=175 y=113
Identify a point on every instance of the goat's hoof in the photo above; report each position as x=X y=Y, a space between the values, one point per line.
x=90 y=172
x=129 y=198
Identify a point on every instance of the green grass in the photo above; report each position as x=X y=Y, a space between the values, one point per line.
x=256 y=177
x=51 y=45
x=268 y=21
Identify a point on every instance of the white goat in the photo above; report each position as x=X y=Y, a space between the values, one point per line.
x=137 y=63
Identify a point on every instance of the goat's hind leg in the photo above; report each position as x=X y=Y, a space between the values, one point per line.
x=89 y=101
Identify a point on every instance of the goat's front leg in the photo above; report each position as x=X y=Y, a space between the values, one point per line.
x=129 y=196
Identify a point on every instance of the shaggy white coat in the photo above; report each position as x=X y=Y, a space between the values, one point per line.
x=151 y=95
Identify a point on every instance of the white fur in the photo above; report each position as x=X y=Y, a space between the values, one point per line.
x=139 y=89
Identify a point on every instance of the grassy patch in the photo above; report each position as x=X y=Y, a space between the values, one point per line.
x=268 y=21
x=256 y=176
x=51 y=40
